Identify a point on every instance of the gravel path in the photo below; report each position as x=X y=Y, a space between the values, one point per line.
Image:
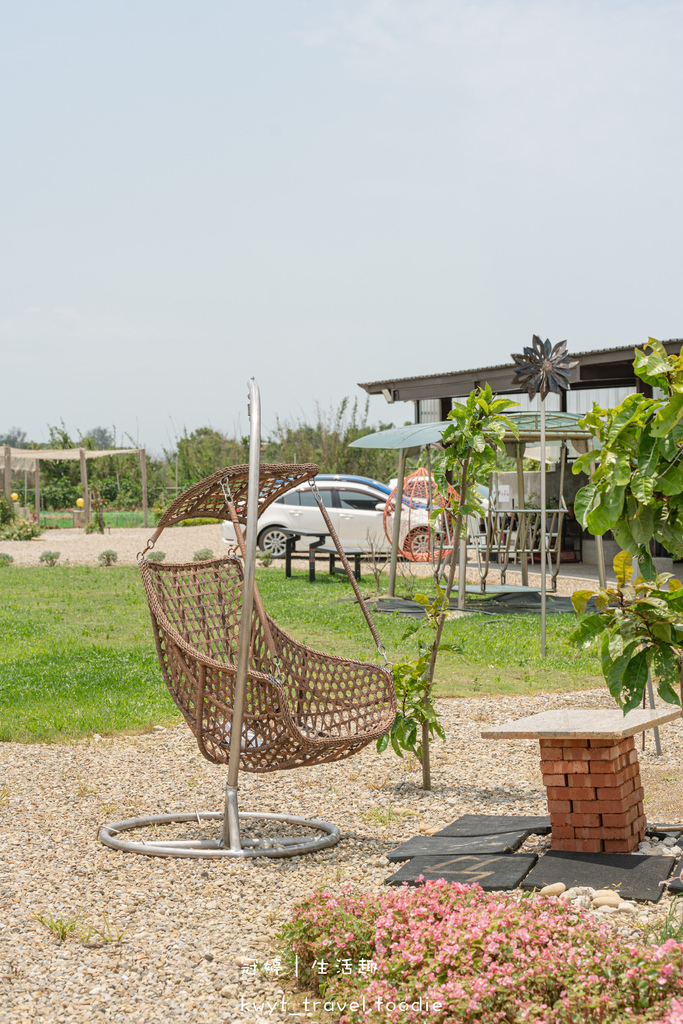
x=79 y=548
x=180 y=543
x=187 y=925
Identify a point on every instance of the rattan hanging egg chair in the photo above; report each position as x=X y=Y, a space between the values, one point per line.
x=419 y=497
x=255 y=698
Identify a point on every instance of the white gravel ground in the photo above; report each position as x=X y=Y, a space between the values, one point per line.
x=180 y=543
x=79 y=548
x=186 y=925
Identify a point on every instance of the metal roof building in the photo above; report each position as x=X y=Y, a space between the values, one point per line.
x=604 y=376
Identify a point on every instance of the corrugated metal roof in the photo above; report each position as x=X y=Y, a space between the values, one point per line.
x=626 y=349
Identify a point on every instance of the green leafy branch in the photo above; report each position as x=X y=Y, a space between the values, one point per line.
x=636 y=487
x=641 y=625
x=416 y=712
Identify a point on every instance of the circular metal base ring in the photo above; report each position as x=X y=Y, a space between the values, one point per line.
x=282 y=846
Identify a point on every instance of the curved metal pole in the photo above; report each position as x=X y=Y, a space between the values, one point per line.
x=231 y=835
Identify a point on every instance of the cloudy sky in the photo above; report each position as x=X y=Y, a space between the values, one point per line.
x=321 y=193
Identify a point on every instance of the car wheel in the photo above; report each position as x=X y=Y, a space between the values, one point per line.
x=274 y=540
x=416 y=545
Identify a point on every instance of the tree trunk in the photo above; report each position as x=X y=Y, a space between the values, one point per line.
x=426 y=767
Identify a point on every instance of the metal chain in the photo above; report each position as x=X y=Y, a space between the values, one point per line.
x=381 y=649
x=141 y=554
x=277 y=674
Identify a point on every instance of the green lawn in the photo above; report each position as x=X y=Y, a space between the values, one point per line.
x=77 y=656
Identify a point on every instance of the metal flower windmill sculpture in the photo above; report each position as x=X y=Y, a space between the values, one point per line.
x=541 y=369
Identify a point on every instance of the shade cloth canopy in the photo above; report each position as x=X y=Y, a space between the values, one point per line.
x=25 y=458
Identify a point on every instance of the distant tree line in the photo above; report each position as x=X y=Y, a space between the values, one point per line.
x=199 y=453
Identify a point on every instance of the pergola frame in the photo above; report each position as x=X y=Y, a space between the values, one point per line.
x=29 y=459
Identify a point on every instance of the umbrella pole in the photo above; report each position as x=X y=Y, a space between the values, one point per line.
x=397 y=523
x=543 y=528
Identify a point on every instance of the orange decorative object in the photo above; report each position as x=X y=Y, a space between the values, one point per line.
x=414 y=536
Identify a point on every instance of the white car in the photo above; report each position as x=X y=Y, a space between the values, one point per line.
x=355 y=506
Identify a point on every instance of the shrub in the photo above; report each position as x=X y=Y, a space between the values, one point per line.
x=20 y=529
x=107 y=557
x=5 y=559
x=60 y=493
x=202 y=521
x=156 y=556
x=6 y=511
x=203 y=555
x=93 y=526
x=477 y=957
x=49 y=557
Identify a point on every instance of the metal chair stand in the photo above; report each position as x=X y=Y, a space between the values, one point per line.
x=278 y=846
x=230 y=843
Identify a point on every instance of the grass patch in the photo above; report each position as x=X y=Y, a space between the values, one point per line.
x=77 y=655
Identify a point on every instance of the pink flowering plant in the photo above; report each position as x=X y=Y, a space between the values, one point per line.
x=448 y=953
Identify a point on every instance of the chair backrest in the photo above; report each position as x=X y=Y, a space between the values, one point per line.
x=202 y=601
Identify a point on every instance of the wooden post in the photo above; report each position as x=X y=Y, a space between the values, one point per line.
x=8 y=477
x=143 y=471
x=84 y=485
x=36 y=485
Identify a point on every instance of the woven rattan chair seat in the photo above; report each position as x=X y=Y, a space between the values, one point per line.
x=303 y=707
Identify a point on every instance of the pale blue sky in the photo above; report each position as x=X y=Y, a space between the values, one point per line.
x=322 y=193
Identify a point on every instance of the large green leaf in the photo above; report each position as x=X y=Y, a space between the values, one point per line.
x=589 y=628
x=607 y=505
x=641 y=524
x=667 y=447
x=634 y=679
x=665 y=670
x=671 y=481
x=648 y=454
x=614 y=670
x=626 y=412
x=669 y=416
x=583 y=502
x=623 y=567
x=580 y=599
x=621 y=471
x=624 y=538
x=643 y=487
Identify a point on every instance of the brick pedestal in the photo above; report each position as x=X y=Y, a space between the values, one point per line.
x=595 y=798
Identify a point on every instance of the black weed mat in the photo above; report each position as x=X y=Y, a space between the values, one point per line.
x=488 y=604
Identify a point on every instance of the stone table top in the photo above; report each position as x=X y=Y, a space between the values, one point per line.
x=590 y=724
